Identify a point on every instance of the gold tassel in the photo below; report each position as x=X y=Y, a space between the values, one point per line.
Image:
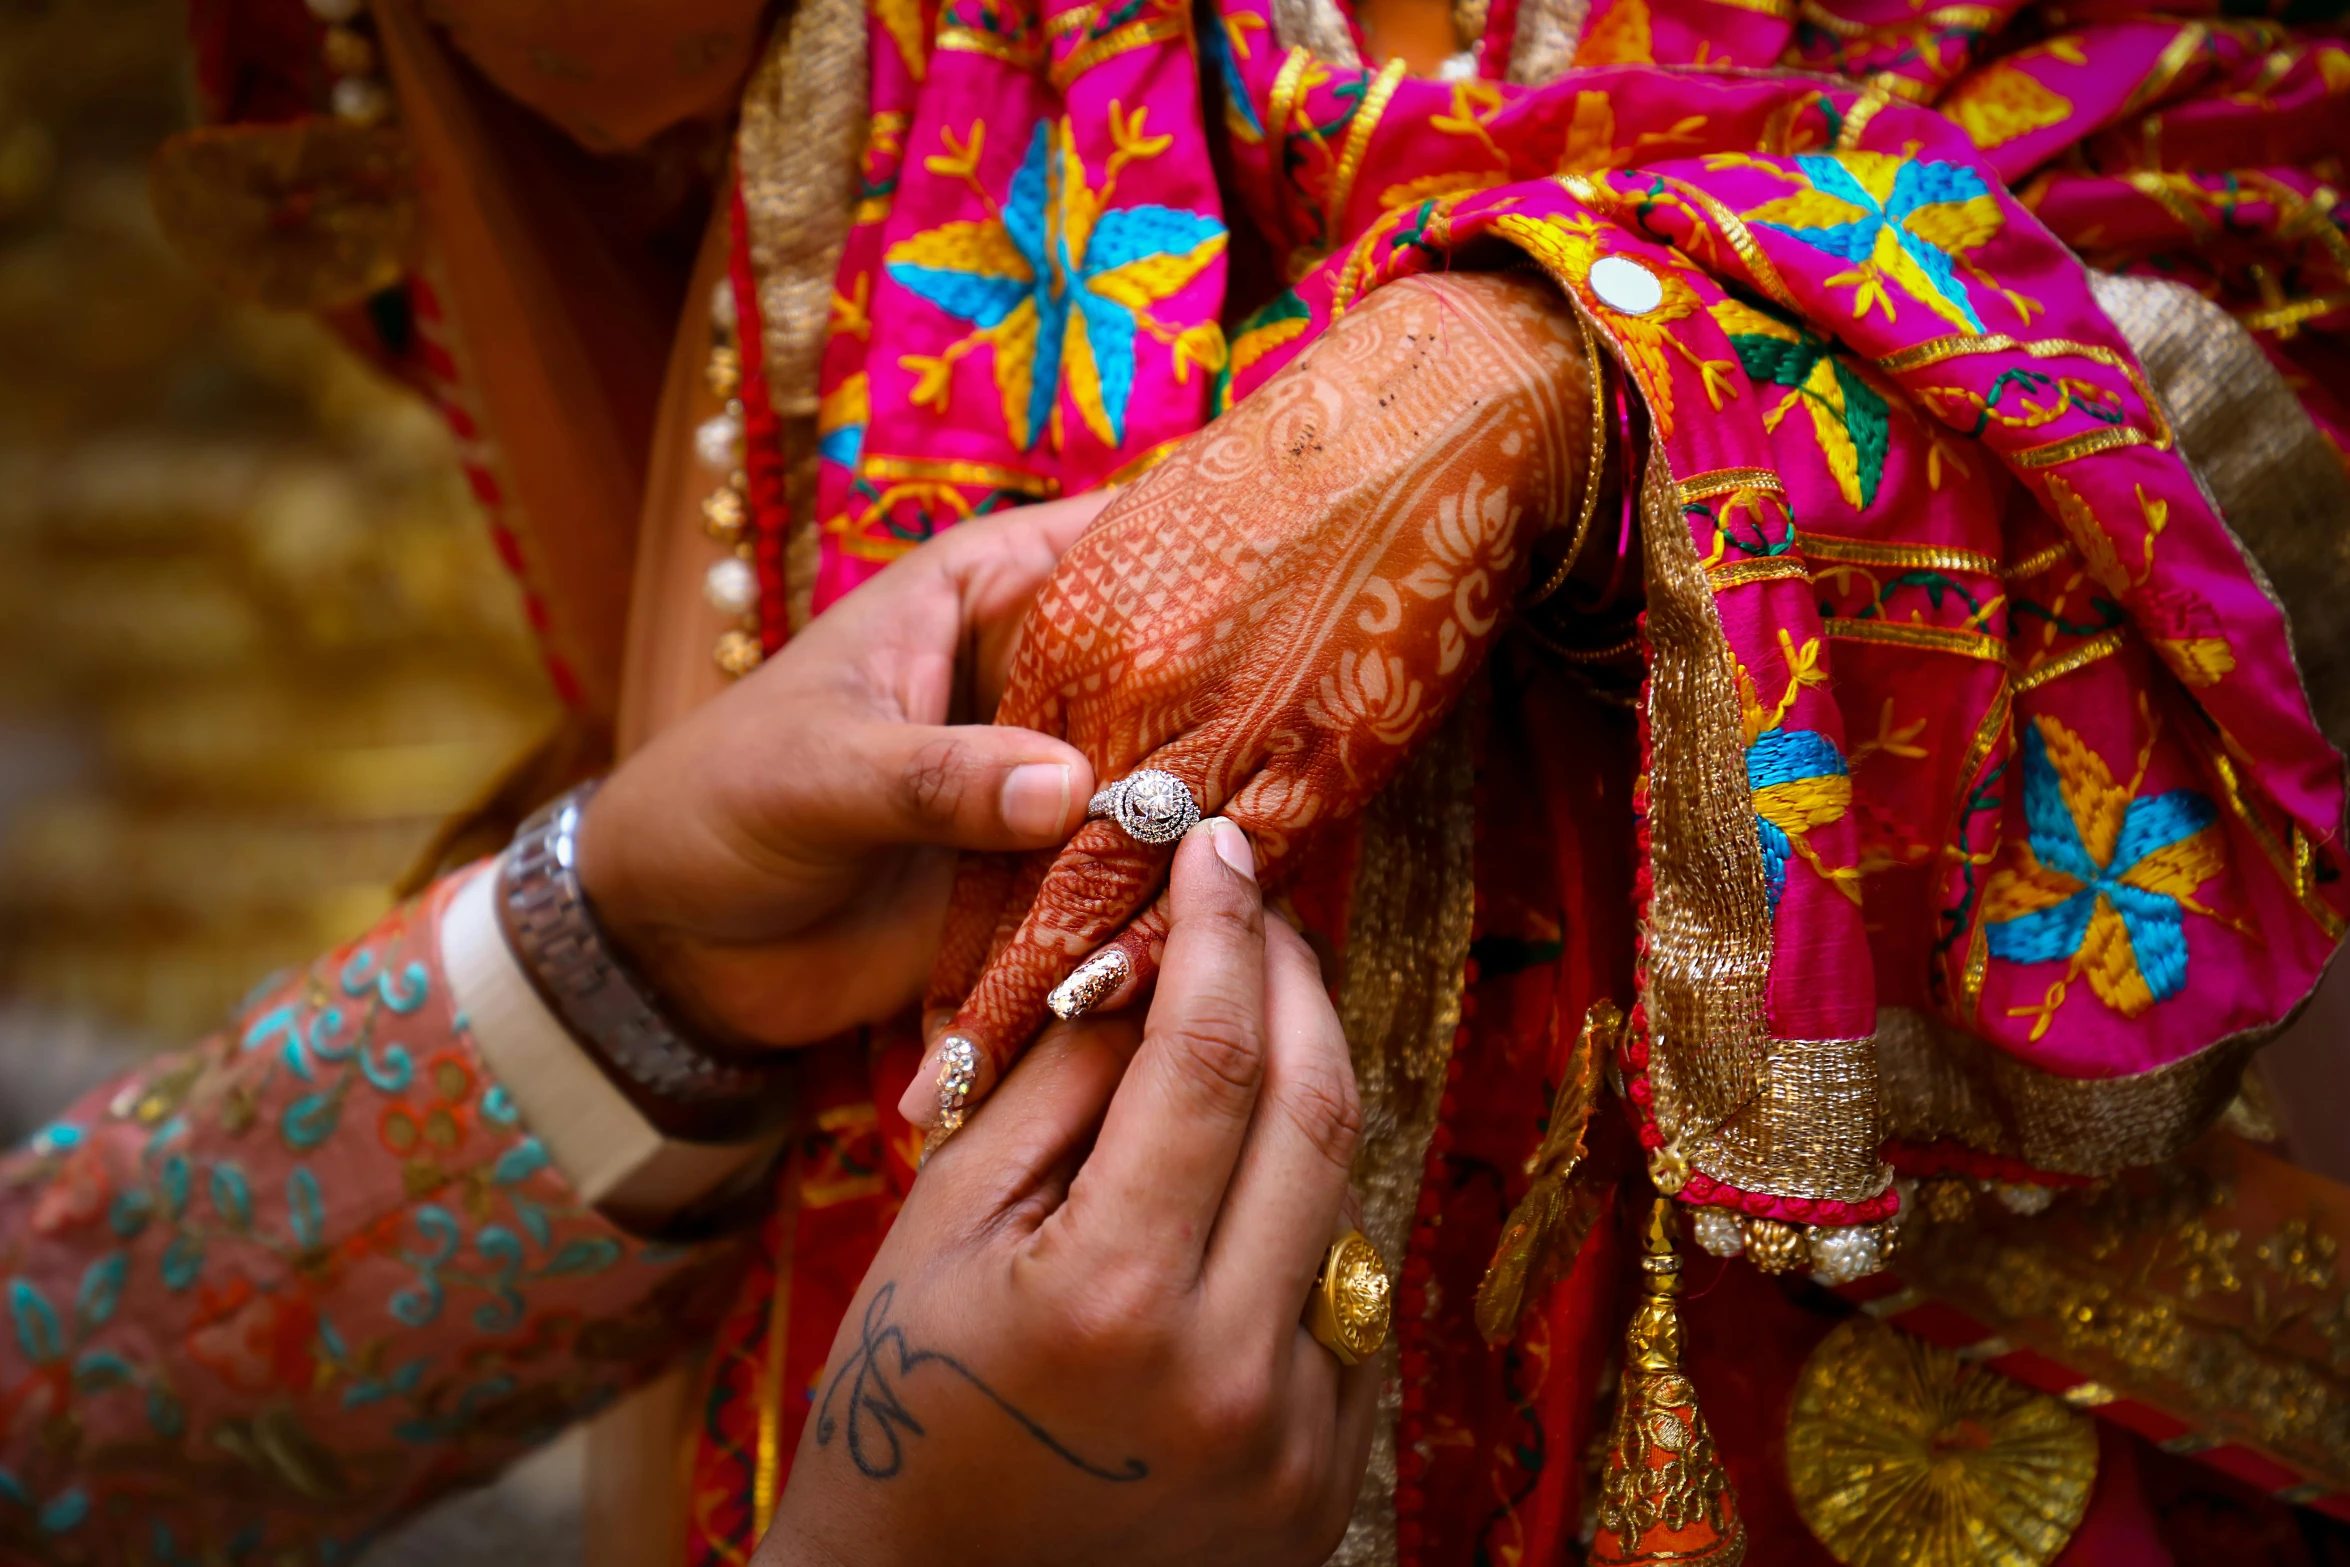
x=1663 y=1496
x=1547 y=1229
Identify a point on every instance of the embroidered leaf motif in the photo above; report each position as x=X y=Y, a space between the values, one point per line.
x=1848 y=418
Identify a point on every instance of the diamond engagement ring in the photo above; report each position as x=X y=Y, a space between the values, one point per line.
x=1154 y=807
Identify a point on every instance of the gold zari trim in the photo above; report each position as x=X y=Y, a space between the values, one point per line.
x=1829 y=549
x=1938 y=1082
x=1725 y=575
x=2038 y=561
x=1721 y=481
x=970 y=40
x=1929 y=639
x=918 y=470
x=2080 y=656
x=1118 y=41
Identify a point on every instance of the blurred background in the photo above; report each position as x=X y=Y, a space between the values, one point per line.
x=254 y=645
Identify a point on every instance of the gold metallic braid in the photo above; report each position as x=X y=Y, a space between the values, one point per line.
x=1728 y=574
x=1930 y=639
x=956 y=471
x=1829 y=549
x=1119 y=40
x=1027 y=56
x=2080 y=656
x=1938 y=1082
x=1721 y=481
x=2038 y=561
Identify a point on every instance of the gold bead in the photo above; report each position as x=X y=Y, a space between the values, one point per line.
x=1775 y=1246
x=348 y=53
x=724 y=372
x=737 y=653
x=1947 y=1200
x=723 y=514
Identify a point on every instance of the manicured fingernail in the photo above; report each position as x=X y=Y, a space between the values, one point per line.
x=1089 y=983
x=1232 y=846
x=941 y=1089
x=1036 y=799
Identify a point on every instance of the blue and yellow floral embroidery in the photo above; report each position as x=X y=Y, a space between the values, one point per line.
x=2105 y=879
x=1796 y=777
x=1900 y=222
x=1057 y=281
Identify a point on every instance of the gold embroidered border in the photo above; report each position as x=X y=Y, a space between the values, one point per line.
x=1929 y=639
x=951 y=470
x=1721 y=481
x=1077 y=20
x=1359 y=130
x=1830 y=549
x=1026 y=56
x=1777 y=10
x=1960 y=345
x=2295 y=869
x=1119 y=40
x=2080 y=656
x=1939 y=1082
x=1725 y=575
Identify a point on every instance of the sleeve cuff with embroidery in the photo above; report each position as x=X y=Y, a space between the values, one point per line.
x=610 y=1153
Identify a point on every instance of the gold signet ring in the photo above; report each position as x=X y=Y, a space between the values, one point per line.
x=1347 y=1312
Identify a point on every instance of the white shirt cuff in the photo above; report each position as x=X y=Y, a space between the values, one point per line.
x=603 y=1144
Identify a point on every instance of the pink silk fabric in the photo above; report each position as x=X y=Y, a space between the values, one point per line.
x=2026 y=745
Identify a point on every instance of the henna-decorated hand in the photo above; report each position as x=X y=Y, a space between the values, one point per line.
x=1275 y=615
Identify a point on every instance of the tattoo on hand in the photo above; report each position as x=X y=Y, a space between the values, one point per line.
x=878 y=1419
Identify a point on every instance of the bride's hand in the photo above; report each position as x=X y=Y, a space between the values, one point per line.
x=1274 y=616
x=1081 y=1341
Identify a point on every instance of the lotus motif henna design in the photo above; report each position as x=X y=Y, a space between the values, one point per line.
x=1277 y=613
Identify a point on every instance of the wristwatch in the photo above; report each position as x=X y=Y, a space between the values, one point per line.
x=689 y=1090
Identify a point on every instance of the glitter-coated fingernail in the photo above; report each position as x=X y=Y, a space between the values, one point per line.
x=958 y=1070
x=1089 y=983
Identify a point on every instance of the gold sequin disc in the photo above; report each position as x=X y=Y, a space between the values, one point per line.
x=1900 y=1454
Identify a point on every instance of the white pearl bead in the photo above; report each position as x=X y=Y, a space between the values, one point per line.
x=1718 y=1231
x=1840 y=1254
x=718 y=441
x=361 y=100
x=1625 y=286
x=335 y=10
x=731 y=586
x=2022 y=1197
